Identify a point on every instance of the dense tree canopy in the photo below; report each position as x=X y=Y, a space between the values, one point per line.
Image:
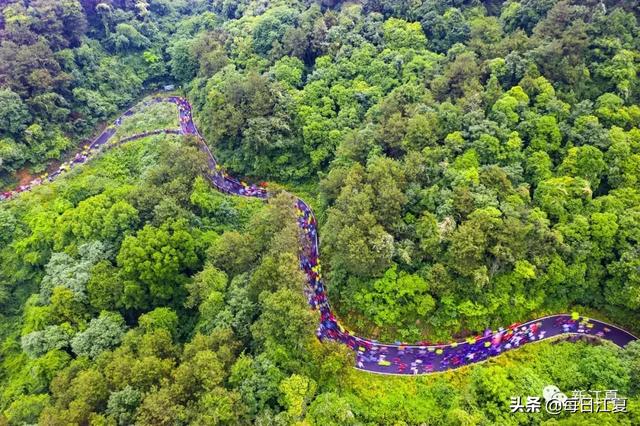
x=471 y=164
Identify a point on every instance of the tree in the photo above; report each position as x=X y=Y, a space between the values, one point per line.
x=396 y=298
x=475 y=185
x=621 y=70
x=444 y=26
x=354 y=239
x=105 y=287
x=104 y=332
x=631 y=355
x=26 y=409
x=289 y=71
x=270 y=29
x=621 y=161
x=285 y=322
x=219 y=407
x=63 y=24
x=586 y=162
x=233 y=252
x=255 y=124
x=428 y=233
x=122 y=404
x=159 y=408
x=509 y=106
x=65 y=307
x=158 y=259
x=587 y=130
x=127 y=37
x=206 y=282
x=202 y=373
x=160 y=318
x=610 y=109
x=538 y=167
x=12 y=155
x=66 y=272
x=422 y=131
x=100 y=217
x=14 y=114
x=563 y=195
x=400 y=34
x=183 y=64
x=332 y=410
x=623 y=288
x=77 y=393
x=297 y=391
x=37 y=343
x=257 y=381
x=44 y=144
x=8 y=225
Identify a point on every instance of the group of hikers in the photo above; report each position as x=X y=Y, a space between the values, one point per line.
x=216 y=174
x=411 y=359
x=417 y=359
x=329 y=327
x=81 y=157
x=371 y=355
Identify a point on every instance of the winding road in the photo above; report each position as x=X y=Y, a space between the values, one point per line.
x=371 y=356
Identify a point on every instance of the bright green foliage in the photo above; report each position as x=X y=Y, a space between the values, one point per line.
x=563 y=195
x=155 y=260
x=297 y=391
x=507 y=107
x=586 y=162
x=160 y=319
x=157 y=116
x=400 y=34
x=26 y=409
x=395 y=298
x=331 y=409
x=288 y=71
x=471 y=164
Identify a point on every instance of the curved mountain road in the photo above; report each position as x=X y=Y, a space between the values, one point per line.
x=371 y=356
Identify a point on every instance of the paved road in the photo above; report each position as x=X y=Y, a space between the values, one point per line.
x=91 y=150
x=371 y=355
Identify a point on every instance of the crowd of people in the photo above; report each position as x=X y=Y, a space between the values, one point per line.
x=81 y=157
x=216 y=174
x=78 y=158
x=371 y=355
x=402 y=358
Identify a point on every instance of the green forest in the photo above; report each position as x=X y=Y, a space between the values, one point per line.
x=471 y=163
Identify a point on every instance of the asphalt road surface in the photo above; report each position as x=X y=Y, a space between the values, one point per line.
x=371 y=355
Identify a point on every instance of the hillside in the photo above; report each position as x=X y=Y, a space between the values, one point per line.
x=471 y=165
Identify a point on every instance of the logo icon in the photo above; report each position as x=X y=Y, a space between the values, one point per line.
x=552 y=392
